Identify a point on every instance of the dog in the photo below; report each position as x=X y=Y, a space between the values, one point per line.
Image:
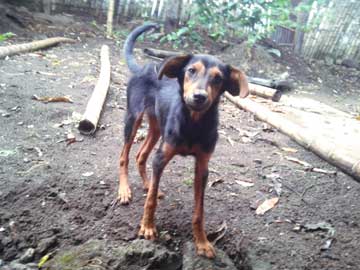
x=180 y=98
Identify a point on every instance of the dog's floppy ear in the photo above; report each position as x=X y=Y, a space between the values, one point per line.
x=236 y=82
x=172 y=66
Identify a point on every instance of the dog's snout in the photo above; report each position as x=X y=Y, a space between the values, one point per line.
x=200 y=98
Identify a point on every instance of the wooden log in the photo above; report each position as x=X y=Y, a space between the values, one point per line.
x=324 y=148
x=265 y=92
x=91 y=116
x=33 y=46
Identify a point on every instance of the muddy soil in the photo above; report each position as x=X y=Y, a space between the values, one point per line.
x=53 y=190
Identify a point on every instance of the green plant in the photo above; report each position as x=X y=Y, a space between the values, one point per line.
x=252 y=19
x=6 y=36
x=189 y=182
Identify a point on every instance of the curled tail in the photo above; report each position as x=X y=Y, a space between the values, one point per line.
x=129 y=46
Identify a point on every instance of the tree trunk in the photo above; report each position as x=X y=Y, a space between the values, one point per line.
x=171 y=16
x=110 y=16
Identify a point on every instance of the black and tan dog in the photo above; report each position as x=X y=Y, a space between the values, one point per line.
x=180 y=98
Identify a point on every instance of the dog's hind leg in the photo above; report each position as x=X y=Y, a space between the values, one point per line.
x=145 y=150
x=132 y=124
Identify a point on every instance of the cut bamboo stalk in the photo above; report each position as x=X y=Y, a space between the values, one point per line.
x=92 y=113
x=265 y=92
x=33 y=46
x=324 y=148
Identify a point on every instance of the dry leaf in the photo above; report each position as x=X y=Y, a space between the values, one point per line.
x=230 y=141
x=52 y=99
x=218 y=234
x=318 y=170
x=244 y=183
x=266 y=206
x=215 y=182
x=289 y=149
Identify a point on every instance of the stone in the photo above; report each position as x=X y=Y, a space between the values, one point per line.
x=329 y=60
x=191 y=261
x=350 y=63
x=28 y=256
x=15 y=265
x=274 y=52
x=137 y=255
x=46 y=244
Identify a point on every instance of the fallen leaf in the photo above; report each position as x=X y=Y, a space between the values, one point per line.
x=87 y=174
x=244 y=183
x=318 y=170
x=357 y=117
x=46 y=99
x=266 y=206
x=289 y=149
x=44 y=259
x=216 y=182
x=6 y=153
x=230 y=141
x=218 y=234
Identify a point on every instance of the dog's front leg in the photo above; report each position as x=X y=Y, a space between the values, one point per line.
x=203 y=246
x=161 y=158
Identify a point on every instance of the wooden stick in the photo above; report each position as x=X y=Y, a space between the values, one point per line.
x=33 y=46
x=324 y=148
x=91 y=116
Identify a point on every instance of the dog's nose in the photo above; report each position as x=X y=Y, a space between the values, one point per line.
x=199 y=98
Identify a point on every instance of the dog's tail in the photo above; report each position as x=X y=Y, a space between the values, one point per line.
x=129 y=45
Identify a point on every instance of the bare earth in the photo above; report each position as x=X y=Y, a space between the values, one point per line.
x=49 y=188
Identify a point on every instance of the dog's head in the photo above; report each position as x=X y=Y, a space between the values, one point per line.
x=203 y=79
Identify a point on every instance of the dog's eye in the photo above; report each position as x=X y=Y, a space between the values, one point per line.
x=217 y=79
x=192 y=71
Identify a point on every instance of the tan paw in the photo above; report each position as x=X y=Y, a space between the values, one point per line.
x=205 y=249
x=147 y=232
x=124 y=195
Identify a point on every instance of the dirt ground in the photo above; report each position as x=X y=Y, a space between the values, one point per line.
x=51 y=189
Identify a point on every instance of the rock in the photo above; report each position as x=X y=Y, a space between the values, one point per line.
x=257 y=263
x=350 y=63
x=191 y=261
x=102 y=254
x=274 y=52
x=9 y=253
x=46 y=244
x=329 y=61
x=27 y=256
x=15 y=265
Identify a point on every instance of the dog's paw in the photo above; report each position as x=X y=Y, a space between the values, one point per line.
x=205 y=249
x=147 y=232
x=124 y=195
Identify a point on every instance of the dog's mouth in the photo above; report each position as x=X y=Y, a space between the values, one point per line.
x=197 y=107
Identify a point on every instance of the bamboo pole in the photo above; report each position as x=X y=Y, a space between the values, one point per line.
x=32 y=46
x=324 y=148
x=110 y=17
x=265 y=92
x=91 y=116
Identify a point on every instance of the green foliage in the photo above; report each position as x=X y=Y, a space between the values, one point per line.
x=6 y=36
x=188 y=182
x=252 y=19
